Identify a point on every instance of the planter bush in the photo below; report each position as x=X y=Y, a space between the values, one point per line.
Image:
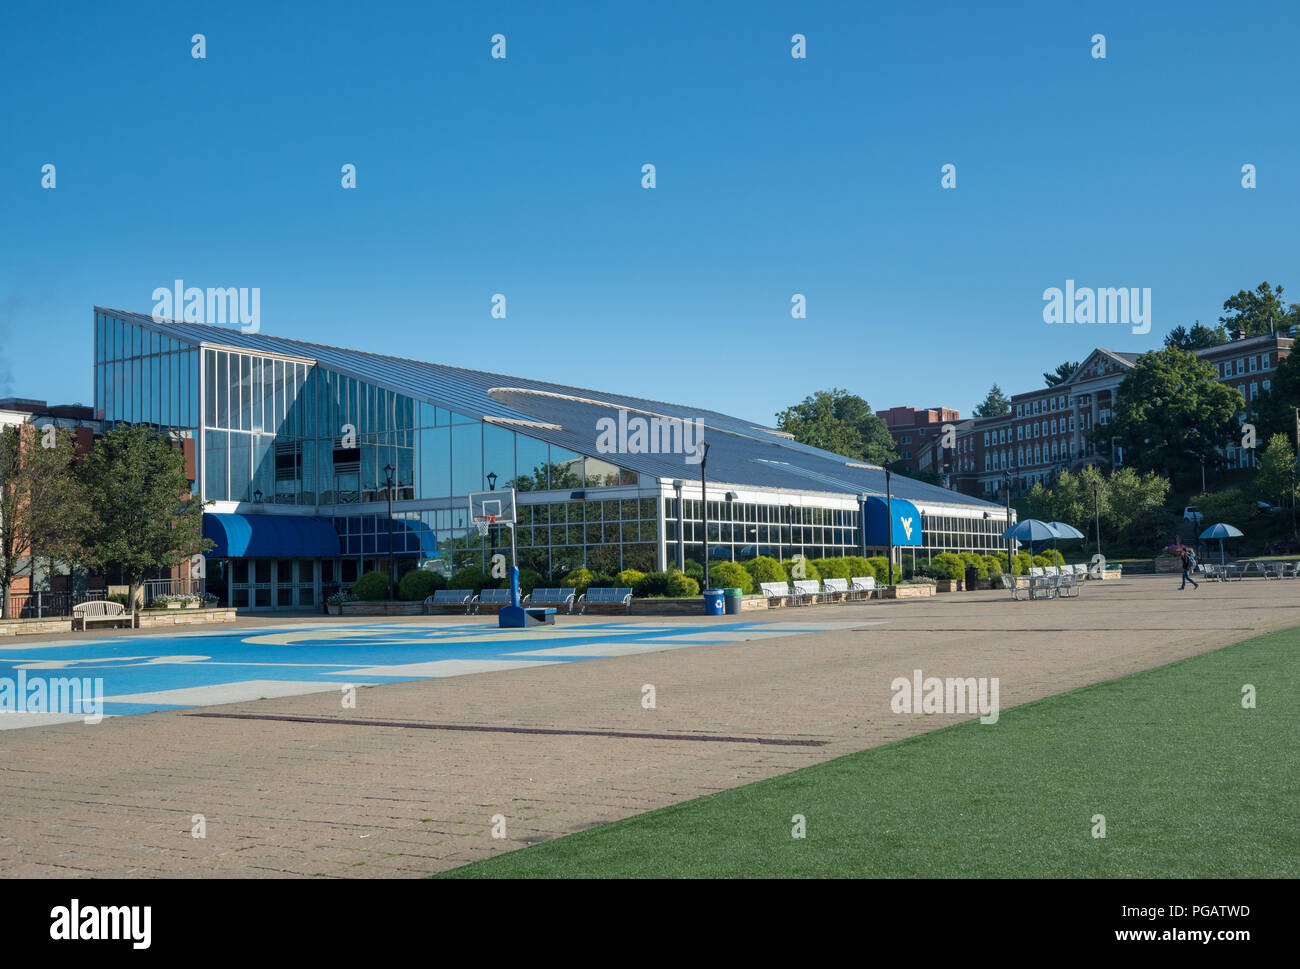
x=371 y=587
x=681 y=586
x=471 y=578
x=765 y=569
x=727 y=575
x=628 y=578
x=947 y=565
x=836 y=568
x=418 y=584
x=651 y=584
x=809 y=570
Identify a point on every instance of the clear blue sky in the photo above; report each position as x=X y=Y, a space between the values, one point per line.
x=775 y=176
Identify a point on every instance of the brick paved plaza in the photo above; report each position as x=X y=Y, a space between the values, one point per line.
x=345 y=799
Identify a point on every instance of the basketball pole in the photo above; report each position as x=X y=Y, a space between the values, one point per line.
x=514 y=569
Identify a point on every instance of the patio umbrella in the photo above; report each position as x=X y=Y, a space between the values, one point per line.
x=1064 y=530
x=1221 y=530
x=1031 y=530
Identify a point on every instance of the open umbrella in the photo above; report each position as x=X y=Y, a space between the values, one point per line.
x=1221 y=530
x=1031 y=530
x=1064 y=530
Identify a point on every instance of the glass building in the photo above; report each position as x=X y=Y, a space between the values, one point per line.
x=295 y=445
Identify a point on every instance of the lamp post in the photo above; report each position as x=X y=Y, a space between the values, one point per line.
x=704 y=512
x=257 y=496
x=731 y=522
x=889 y=522
x=1096 y=513
x=388 y=490
x=681 y=526
x=492 y=481
x=1006 y=477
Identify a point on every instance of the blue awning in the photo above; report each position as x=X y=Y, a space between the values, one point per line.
x=270 y=536
x=907 y=522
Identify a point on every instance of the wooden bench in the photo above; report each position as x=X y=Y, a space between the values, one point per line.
x=450 y=597
x=100 y=610
x=550 y=597
x=779 y=591
x=605 y=597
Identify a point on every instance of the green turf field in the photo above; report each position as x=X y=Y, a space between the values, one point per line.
x=1191 y=785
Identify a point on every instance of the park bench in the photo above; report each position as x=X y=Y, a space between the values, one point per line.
x=837 y=588
x=605 y=597
x=99 y=610
x=779 y=591
x=863 y=587
x=806 y=589
x=450 y=597
x=492 y=597
x=551 y=597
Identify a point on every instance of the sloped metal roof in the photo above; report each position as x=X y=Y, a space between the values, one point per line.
x=740 y=452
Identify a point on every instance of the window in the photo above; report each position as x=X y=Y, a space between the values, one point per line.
x=1254 y=390
x=986 y=438
x=1241 y=365
x=1263 y=362
x=1267 y=383
x=1254 y=364
x=1053 y=425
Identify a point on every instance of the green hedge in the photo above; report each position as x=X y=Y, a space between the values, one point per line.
x=418 y=584
x=371 y=587
x=765 y=569
x=731 y=575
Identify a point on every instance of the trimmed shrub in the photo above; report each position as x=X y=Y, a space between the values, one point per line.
x=529 y=579
x=994 y=565
x=731 y=575
x=578 y=580
x=765 y=569
x=834 y=568
x=1022 y=564
x=651 y=584
x=947 y=565
x=809 y=570
x=371 y=587
x=681 y=586
x=695 y=570
x=418 y=584
x=472 y=578
x=628 y=578
x=600 y=580
x=858 y=567
x=881 y=565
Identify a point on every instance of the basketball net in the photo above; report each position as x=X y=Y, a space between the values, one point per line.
x=484 y=523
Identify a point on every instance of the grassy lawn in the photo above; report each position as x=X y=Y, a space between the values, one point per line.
x=1191 y=785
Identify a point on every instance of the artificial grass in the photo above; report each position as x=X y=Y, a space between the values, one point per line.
x=1191 y=785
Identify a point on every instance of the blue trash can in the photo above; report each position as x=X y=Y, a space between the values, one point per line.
x=713 y=604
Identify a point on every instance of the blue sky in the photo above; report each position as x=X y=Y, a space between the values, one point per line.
x=522 y=176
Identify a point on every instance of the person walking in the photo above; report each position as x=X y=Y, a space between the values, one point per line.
x=1189 y=563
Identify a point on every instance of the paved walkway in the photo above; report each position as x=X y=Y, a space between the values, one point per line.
x=345 y=798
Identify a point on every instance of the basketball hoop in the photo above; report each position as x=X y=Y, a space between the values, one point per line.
x=483 y=523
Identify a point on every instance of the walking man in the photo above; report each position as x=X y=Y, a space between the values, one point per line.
x=1189 y=563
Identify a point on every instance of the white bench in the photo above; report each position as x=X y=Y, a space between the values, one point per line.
x=605 y=597
x=551 y=597
x=863 y=587
x=805 y=589
x=836 y=587
x=99 y=610
x=450 y=597
x=775 y=590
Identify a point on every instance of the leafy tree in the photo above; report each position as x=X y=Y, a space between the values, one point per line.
x=1258 y=312
x=841 y=423
x=142 y=515
x=1061 y=374
x=1273 y=480
x=1232 y=506
x=996 y=404
x=1274 y=409
x=41 y=510
x=546 y=476
x=1171 y=414
x=1197 y=338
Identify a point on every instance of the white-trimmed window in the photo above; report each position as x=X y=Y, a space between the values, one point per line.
x=1254 y=390
x=1254 y=363
x=1264 y=362
x=1241 y=365
x=1267 y=384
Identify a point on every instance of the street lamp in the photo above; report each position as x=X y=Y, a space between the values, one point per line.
x=1006 y=477
x=704 y=511
x=731 y=520
x=257 y=497
x=388 y=490
x=889 y=522
x=1096 y=512
x=492 y=481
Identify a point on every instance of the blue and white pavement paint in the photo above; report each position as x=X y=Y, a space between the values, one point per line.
x=144 y=674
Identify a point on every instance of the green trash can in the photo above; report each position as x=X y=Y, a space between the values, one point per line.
x=731 y=601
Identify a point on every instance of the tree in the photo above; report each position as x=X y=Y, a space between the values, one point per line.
x=1259 y=312
x=1197 y=338
x=1274 y=409
x=39 y=502
x=1273 y=479
x=143 y=517
x=1171 y=414
x=996 y=404
x=1061 y=374
x=841 y=423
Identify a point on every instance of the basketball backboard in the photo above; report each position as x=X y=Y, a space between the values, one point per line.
x=500 y=505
